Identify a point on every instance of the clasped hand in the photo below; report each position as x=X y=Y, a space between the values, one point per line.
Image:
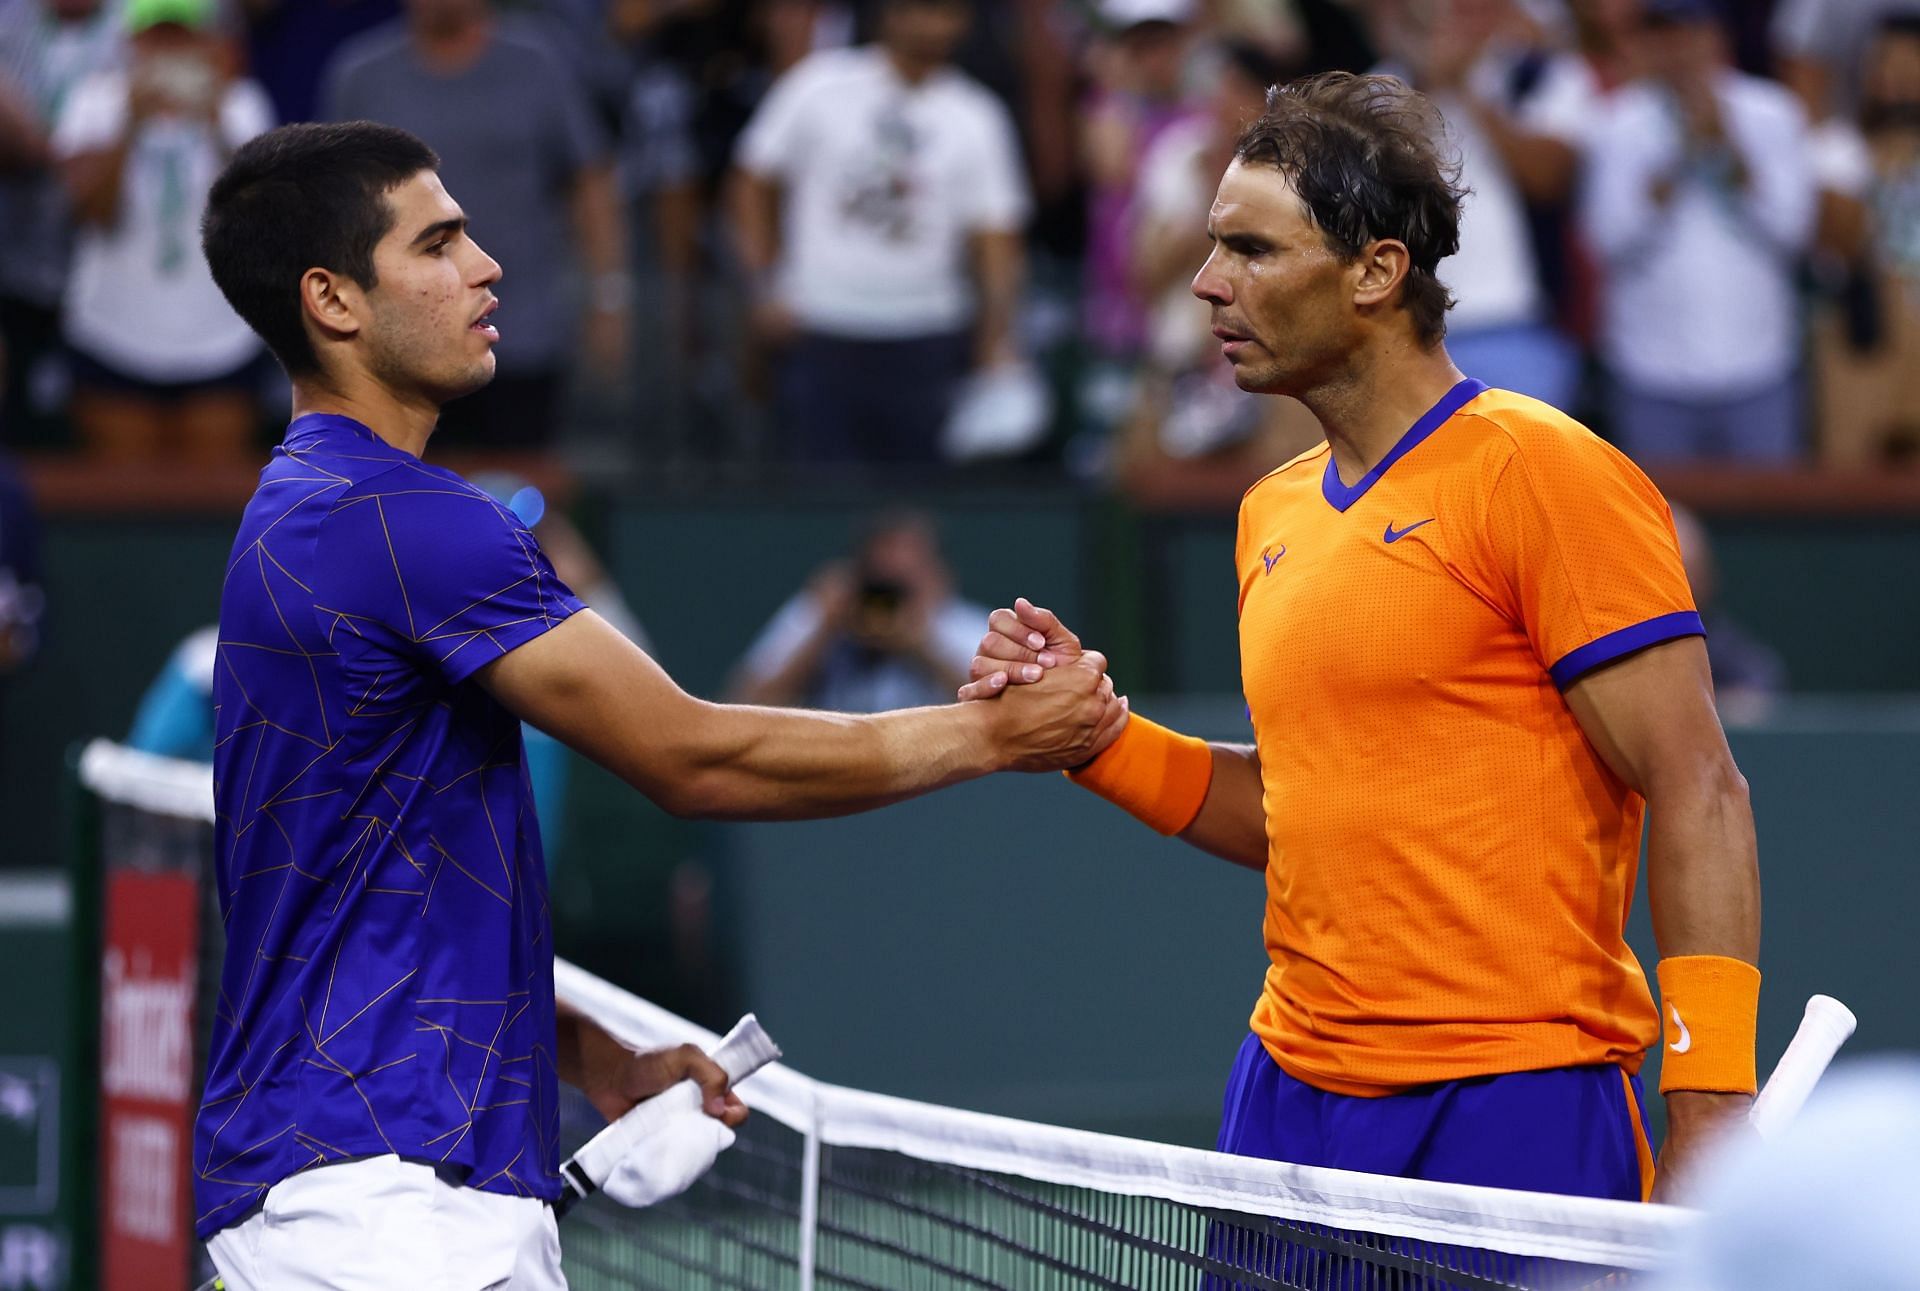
x=1061 y=710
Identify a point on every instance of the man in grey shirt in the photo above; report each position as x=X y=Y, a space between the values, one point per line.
x=519 y=142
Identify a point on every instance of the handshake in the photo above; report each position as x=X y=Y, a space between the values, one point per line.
x=1052 y=704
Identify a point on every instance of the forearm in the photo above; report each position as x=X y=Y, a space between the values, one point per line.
x=1000 y=268
x=783 y=764
x=1232 y=823
x=93 y=182
x=580 y=1044
x=1542 y=166
x=753 y=203
x=23 y=144
x=1703 y=873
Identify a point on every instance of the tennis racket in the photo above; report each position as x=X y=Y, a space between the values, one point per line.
x=1823 y=1029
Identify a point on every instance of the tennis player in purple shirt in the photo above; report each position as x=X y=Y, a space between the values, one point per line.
x=381 y=1099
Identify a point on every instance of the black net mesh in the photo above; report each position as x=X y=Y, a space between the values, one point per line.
x=889 y=1222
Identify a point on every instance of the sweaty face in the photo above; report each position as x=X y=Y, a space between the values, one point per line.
x=428 y=331
x=1282 y=300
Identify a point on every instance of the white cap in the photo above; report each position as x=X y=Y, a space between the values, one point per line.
x=1121 y=14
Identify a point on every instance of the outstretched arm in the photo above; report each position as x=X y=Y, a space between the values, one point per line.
x=1023 y=643
x=588 y=686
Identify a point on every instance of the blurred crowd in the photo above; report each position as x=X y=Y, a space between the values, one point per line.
x=921 y=232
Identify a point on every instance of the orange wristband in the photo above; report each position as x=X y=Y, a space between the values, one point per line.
x=1709 y=1003
x=1155 y=774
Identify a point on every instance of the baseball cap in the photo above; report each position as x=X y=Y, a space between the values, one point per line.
x=142 y=14
x=1122 y=14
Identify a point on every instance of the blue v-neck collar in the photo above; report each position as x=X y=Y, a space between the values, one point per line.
x=1341 y=496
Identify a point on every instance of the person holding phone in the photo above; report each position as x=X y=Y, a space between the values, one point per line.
x=162 y=367
x=880 y=631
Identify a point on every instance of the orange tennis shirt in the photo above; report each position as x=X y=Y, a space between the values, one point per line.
x=1449 y=862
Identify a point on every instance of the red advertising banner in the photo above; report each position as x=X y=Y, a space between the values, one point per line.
x=146 y=1082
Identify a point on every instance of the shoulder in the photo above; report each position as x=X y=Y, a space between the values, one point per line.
x=1764 y=100
x=1550 y=451
x=1297 y=475
x=523 y=44
x=830 y=68
x=973 y=106
x=369 y=51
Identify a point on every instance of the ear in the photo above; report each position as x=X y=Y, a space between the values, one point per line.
x=1382 y=267
x=333 y=303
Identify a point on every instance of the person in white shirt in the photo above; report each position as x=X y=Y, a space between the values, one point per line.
x=1700 y=200
x=882 y=631
x=878 y=202
x=1516 y=109
x=162 y=367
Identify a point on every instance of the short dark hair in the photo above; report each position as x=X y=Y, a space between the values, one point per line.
x=296 y=198
x=1364 y=154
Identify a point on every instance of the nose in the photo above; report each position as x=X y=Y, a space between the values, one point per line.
x=486 y=269
x=1210 y=284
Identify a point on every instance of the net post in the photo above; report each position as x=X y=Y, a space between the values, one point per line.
x=810 y=1201
x=80 y=1086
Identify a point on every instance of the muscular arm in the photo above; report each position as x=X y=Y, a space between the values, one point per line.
x=591 y=688
x=1651 y=717
x=1232 y=823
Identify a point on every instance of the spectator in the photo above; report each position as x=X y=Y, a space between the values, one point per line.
x=1748 y=674
x=46 y=48
x=884 y=631
x=878 y=203
x=162 y=368
x=1516 y=109
x=1868 y=353
x=1139 y=75
x=519 y=142
x=22 y=602
x=1189 y=407
x=1700 y=201
x=1822 y=46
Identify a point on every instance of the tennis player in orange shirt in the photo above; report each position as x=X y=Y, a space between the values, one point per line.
x=1474 y=667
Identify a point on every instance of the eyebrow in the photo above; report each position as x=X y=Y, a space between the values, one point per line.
x=434 y=230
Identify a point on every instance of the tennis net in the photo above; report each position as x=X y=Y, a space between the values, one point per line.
x=831 y=1187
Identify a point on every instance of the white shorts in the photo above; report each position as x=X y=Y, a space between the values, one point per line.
x=382 y=1223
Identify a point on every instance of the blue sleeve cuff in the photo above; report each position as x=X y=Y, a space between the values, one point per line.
x=1615 y=645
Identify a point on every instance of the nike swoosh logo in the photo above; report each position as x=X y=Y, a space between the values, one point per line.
x=1274 y=558
x=1395 y=535
x=1685 y=1042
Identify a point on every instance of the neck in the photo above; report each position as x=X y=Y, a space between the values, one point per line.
x=405 y=423
x=1368 y=407
x=910 y=69
x=453 y=47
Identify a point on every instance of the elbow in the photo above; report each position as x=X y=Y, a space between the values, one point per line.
x=1710 y=781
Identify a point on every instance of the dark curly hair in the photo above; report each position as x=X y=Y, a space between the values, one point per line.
x=1364 y=155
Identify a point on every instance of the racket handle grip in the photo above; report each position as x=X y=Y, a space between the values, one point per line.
x=1823 y=1029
